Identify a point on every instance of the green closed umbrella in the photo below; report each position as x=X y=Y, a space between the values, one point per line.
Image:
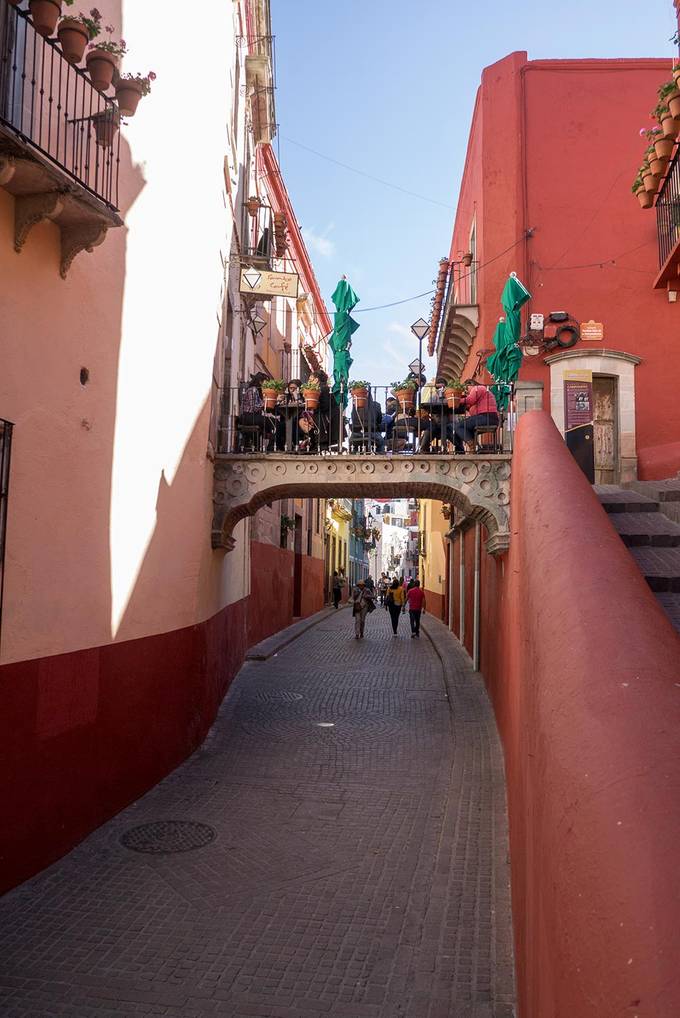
x=505 y=363
x=340 y=342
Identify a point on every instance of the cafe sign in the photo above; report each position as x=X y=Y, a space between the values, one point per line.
x=264 y=283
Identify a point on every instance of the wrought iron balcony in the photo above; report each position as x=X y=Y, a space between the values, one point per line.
x=668 y=223
x=59 y=139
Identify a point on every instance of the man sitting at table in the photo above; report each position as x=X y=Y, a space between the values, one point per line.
x=480 y=410
x=440 y=425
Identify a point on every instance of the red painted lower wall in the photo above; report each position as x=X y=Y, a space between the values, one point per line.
x=583 y=670
x=271 y=589
x=434 y=602
x=86 y=733
x=312 y=585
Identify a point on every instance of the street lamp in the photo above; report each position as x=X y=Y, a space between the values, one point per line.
x=420 y=330
x=257 y=324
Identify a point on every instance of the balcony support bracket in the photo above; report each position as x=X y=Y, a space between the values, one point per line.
x=77 y=238
x=31 y=209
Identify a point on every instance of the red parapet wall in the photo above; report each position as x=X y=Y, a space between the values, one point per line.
x=435 y=604
x=583 y=669
x=271 y=590
x=86 y=733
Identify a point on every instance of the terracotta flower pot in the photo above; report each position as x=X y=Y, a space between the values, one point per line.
x=405 y=398
x=650 y=182
x=467 y=259
x=360 y=397
x=669 y=126
x=311 y=398
x=73 y=38
x=676 y=76
x=128 y=94
x=100 y=66
x=664 y=148
x=645 y=198
x=453 y=396
x=106 y=127
x=674 y=105
x=269 y=397
x=658 y=166
x=44 y=15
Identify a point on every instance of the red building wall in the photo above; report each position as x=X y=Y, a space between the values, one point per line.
x=544 y=156
x=582 y=667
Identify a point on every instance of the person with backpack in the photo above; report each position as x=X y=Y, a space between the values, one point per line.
x=395 y=602
x=363 y=602
x=416 y=605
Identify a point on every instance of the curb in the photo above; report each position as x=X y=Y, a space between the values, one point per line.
x=273 y=644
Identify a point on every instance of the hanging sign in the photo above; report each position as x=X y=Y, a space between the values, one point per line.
x=592 y=331
x=269 y=284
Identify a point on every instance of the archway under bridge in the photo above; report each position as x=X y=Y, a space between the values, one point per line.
x=479 y=486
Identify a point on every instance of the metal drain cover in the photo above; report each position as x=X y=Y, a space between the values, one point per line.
x=165 y=836
x=278 y=696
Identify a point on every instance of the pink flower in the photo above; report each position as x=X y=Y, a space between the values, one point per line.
x=151 y=76
x=643 y=131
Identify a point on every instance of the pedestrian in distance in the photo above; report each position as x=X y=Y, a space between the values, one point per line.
x=404 y=587
x=382 y=588
x=416 y=605
x=395 y=602
x=363 y=602
x=337 y=589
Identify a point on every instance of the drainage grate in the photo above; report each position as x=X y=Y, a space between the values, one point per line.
x=165 y=836
x=278 y=696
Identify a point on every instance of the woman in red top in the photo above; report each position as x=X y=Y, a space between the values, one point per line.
x=416 y=605
x=480 y=409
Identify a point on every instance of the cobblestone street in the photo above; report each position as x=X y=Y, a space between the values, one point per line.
x=349 y=807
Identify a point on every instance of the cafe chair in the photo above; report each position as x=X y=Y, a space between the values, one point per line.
x=248 y=437
x=489 y=438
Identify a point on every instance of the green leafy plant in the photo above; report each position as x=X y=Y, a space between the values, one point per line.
x=637 y=185
x=311 y=383
x=145 y=81
x=287 y=522
x=455 y=383
x=118 y=49
x=92 y=22
x=359 y=385
x=408 y=383
x=666 y=90
x=277 y=384
x=660 y=111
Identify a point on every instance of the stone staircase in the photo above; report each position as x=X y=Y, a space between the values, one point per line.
x=646 y=515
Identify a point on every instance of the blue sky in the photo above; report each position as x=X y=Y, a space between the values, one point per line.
x=388 y=87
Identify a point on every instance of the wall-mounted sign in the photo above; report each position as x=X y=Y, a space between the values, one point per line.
x=269 y=284
x=578 y=419
x=592 y=331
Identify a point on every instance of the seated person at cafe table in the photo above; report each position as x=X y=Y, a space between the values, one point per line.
x=438 y=425
x=480 y=410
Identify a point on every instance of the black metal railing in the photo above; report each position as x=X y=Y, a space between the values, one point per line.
x=5 y=449
x=53 y=107
x=668 y=211
x=463 y=282
x=376 y=423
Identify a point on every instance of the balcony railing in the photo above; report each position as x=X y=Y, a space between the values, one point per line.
x=463 y=283
x=52 y=108
x=668 y=211
x=382 y=427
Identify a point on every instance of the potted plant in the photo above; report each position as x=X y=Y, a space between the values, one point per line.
x=270 y=391
x=656 y=165
x=668 y=93
x=360 y=390
x=453 y=392
x=650 y=181
x=404 y=393
x=103 y=59
x=45 y=14
x=75 y=33
x=129 y=90
x=467 y=259
x=311 y=392
x=106 y=126
x=669 y=125
x=676 y=74
x=253 y=205
x=644 y=197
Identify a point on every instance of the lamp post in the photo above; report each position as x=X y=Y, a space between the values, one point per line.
x=420 y=330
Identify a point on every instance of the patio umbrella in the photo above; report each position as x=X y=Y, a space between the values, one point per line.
x=340 y=342
x=505 y=363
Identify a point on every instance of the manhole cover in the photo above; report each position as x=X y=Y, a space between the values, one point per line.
x=168 y=836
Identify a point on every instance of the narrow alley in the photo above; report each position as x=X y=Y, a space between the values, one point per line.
x=338 y=846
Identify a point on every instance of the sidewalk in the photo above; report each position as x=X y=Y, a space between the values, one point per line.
x=350 y=860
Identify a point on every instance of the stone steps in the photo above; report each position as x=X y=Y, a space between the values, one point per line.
x=652 y=538
x=665 y=493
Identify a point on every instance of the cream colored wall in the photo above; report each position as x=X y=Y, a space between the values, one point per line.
x=111 y=490
x=433 y=526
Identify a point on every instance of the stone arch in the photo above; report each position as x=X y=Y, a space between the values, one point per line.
x=478 y=486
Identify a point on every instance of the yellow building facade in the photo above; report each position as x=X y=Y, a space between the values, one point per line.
x=433 y=555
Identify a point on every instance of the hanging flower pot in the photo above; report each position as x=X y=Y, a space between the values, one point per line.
x=406 y=400
x=664 y=148
x=645 y=198
x=359 y=394
x=269 y=397
x=674 y=104
x=467 y=259
x=100 y=66
x=73 y=38
x=650 y=182
x=658 y=166
x=253 y=206
x=44 y=15
x=453 y=395
x=670 y=126
x=128 y=94
x=106 y=127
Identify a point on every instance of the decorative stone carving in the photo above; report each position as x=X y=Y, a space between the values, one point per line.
x=477 y=486
x=31 y=209
x=77 y=238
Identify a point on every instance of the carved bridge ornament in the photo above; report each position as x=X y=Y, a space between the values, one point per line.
x=479 y=486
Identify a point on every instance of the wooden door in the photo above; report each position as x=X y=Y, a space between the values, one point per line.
x=605 y=426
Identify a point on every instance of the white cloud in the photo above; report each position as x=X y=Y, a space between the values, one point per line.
x=319 y=243
x=401 y=330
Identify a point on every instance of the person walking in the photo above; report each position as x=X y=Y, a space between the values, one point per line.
x=416 y=605
x=363 y=602
x=395 y=603
x=337 y=589
x=382 y=589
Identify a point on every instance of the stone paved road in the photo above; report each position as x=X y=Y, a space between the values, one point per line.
x=359 y=867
